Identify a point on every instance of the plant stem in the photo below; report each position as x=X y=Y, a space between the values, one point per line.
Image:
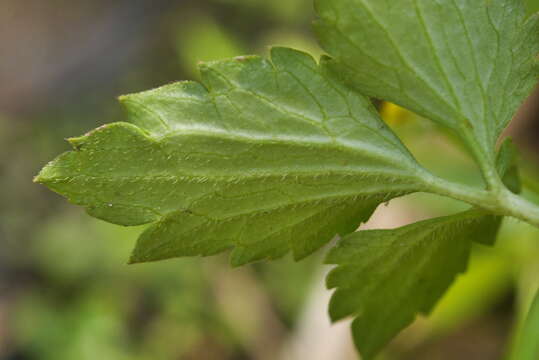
x=499 y=201
x=520 y=208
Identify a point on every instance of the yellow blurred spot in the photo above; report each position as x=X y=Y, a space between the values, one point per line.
x=394 y=114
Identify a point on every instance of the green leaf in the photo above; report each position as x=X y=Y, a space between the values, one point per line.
x=386 y=277
x=264 y=157
x=527 y=341
x=466 y=64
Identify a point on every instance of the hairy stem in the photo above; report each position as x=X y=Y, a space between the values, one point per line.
x=520 y=208
x=499 y=201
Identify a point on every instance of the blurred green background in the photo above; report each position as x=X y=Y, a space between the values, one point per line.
x=65 y=291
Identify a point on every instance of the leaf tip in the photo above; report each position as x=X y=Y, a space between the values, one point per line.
x=334 y=316
x=284 y=56
x=136 y=258
x=44 y=176
x=237 y=258
x=77 y=142
x=126 y=101
x=38 y=179
x=133 y=260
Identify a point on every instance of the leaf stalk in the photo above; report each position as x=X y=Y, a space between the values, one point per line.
x=499 y=201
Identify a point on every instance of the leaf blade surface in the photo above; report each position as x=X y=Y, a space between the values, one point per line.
x=384 y=278
x=263 y=157
x=465 y=64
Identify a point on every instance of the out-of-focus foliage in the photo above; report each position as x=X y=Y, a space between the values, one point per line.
x=65 y=291
x=89 y=303
x=527 y=341
x=288 y=11
x=533 y=5
x=202 y=39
